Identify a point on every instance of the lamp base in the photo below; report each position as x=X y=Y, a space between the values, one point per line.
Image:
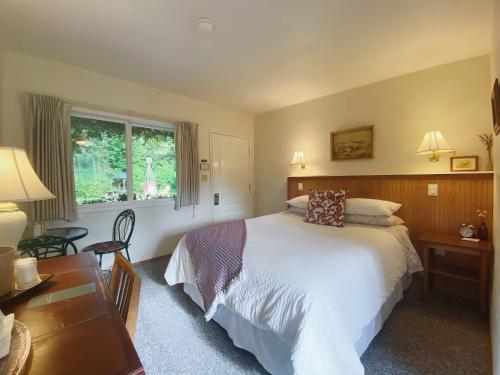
x=12 y=224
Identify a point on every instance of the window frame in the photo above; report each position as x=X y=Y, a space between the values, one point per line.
x=128 y=122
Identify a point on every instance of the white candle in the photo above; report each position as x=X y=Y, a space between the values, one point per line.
x=26 y=273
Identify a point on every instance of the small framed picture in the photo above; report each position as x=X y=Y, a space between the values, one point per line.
x=464 y=163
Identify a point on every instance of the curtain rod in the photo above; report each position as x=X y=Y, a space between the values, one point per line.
x=120 y=111
x=111 y=109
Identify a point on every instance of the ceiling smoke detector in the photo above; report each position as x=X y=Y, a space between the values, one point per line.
x=205 y=25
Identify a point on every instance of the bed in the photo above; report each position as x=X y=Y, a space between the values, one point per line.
x=310 y=298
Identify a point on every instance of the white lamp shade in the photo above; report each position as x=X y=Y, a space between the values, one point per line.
x=19 y=181
x=298 y=158
x=434 y=142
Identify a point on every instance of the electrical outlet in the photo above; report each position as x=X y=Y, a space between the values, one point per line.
x=432 y=190
x=300 y=186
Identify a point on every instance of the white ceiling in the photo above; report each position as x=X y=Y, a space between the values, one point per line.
x=263 y=54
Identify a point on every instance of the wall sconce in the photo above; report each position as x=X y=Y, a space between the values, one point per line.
x=434 y=145
x=298 y=159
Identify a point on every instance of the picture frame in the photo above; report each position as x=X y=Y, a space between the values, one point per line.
x=495 y=107
x=352 y=144
x=464 y=163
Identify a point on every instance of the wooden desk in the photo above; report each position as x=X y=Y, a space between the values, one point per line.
x=439 y=241
x=80 y=335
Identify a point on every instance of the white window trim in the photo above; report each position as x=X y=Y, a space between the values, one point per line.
x=115 y=206
x=128 y=122
x=108 y=116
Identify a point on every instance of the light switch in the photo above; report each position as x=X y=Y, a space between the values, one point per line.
x=300 y=186
x=432 y=190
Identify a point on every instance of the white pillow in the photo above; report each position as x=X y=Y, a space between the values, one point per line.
x=297 y=210
x=370 y=207
x=384 y=221
x=355 y=206
x=299 y=202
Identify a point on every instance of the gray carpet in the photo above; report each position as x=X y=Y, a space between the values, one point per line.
x=443 y=335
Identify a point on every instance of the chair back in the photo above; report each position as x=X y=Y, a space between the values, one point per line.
x=125 y=287
x=43 y=247
x=124 y=226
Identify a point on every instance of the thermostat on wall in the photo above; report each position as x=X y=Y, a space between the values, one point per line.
x=204 y=166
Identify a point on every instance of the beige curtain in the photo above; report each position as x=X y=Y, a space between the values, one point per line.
x=187 y=171
x=48 y=144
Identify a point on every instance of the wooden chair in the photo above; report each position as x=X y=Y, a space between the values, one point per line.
x=125 y=287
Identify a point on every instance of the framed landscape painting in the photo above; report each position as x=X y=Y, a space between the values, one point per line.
x=351 y=144
x=495 y=107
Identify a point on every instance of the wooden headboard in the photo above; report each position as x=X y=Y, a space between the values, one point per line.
x=459 y=195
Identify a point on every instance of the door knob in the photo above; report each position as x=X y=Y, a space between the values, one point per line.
x=216 y=199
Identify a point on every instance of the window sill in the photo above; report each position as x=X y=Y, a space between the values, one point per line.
x=98 y=207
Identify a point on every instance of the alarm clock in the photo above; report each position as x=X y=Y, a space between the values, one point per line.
x=467 y=231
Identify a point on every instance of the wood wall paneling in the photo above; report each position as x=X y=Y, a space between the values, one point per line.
x=459 y=195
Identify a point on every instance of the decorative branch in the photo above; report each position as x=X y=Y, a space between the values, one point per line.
x=486 y=140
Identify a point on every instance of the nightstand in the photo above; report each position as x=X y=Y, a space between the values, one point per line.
x=430 y=242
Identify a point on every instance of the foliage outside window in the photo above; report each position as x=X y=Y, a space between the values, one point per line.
x=153 y=163
x=117 y=160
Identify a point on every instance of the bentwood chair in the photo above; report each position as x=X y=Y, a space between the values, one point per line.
x=122 y=232
x=125 y=287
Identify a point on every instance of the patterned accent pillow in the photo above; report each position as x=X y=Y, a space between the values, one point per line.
x=326 y=207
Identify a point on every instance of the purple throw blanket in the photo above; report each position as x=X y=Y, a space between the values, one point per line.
x=217 y=257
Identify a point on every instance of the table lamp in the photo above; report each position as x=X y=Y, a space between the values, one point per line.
x=434 y=145
x=19 y=184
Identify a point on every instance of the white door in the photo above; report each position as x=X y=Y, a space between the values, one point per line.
x=230 y=177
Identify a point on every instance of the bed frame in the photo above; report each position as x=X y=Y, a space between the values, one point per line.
x=459 y=195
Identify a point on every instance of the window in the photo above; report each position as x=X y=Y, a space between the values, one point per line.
x=99 y=160
x=121 y=159
x=153 y=163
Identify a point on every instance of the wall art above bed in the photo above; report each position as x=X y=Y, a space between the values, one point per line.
x=495 y=106
x=355 y=143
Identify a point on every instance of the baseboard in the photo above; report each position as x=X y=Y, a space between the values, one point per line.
x=152 y=259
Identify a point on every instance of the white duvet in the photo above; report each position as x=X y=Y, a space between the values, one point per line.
x=314 y=286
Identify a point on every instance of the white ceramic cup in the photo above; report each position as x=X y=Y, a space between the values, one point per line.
x=26 y=273
x=7 y=257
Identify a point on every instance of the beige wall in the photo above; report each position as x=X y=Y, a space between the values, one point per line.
x=453 y=98
x=495 y=305
x=158 y=228
x=1 y=92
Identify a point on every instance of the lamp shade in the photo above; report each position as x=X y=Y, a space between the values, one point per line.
x=19 y=181
x=298 y=158
x=434 y=142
